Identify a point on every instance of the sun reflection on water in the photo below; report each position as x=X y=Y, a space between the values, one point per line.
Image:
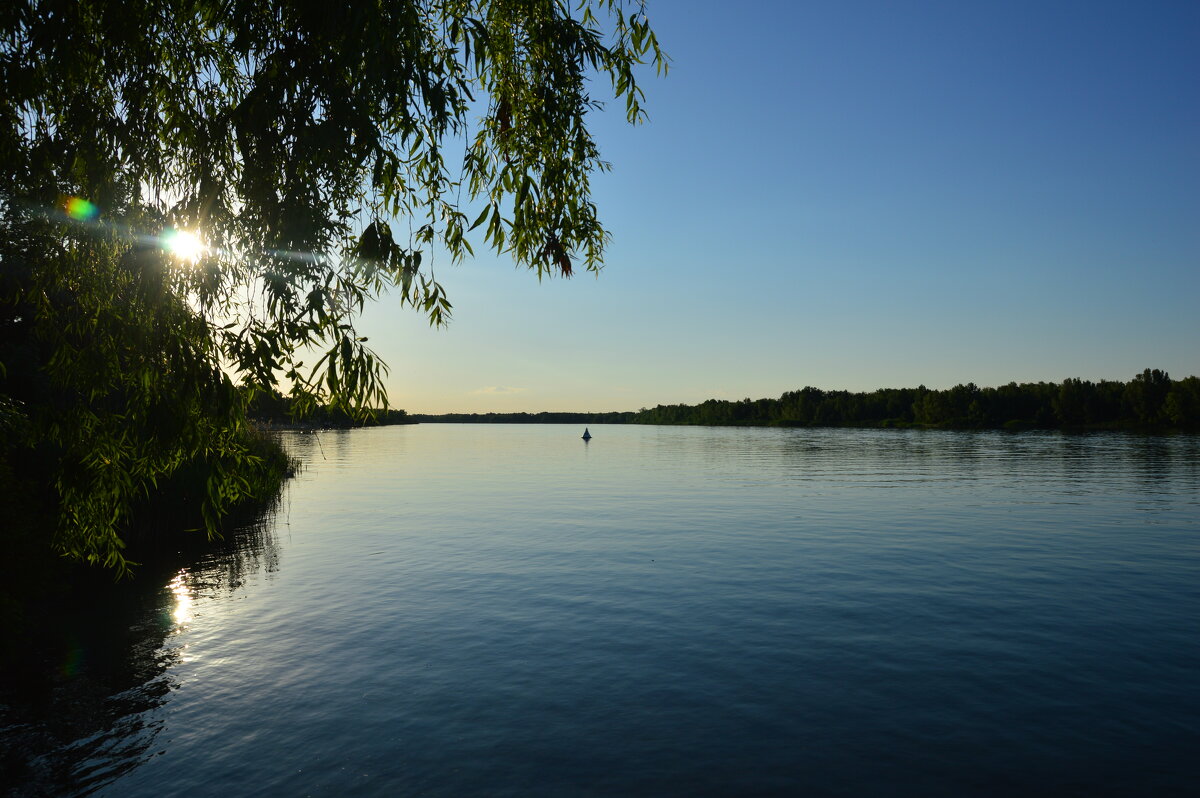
x=182 y=611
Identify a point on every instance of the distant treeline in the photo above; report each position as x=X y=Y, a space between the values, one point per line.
x=1151 y=400
x=523 y=418
x=276 y=409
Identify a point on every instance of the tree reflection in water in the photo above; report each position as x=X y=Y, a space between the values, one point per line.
x=79 y=697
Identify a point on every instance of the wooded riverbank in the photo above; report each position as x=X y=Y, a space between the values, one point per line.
x=1150 y=402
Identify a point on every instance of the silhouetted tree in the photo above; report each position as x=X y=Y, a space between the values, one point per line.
x=271 y=145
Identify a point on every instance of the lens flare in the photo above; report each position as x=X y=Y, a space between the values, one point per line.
x=81 y=210
x=183 y=245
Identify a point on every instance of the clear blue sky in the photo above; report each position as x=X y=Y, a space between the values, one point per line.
x=858 y=195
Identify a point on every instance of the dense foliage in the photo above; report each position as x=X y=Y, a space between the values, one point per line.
x=273 y=410
x=1150 y=400
x=197 y=197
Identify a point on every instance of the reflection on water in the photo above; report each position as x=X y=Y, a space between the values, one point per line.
x=183 y=599
x=483 y=610
x=77 y=708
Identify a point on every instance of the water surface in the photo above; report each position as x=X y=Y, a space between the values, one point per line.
x=453 y=610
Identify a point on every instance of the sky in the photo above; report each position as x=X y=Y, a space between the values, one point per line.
x=856 y=195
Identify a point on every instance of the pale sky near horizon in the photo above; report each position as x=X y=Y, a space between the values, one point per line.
x=857 y=195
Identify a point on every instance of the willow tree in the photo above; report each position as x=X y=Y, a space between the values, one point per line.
x=198 y=196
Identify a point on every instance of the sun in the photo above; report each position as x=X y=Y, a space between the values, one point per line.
x=184 y=245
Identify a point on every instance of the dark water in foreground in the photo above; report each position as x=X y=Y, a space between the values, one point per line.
x=501 y=610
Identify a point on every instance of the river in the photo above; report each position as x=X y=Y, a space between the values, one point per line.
x=506 y=610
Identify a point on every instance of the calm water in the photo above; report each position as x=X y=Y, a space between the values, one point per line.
x=503 y=610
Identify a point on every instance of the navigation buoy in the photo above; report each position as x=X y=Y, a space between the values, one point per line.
x=587 y=436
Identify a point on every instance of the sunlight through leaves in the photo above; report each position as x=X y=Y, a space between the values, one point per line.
x=183 y=245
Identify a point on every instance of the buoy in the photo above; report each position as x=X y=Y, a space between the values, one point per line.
x=587 y=436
